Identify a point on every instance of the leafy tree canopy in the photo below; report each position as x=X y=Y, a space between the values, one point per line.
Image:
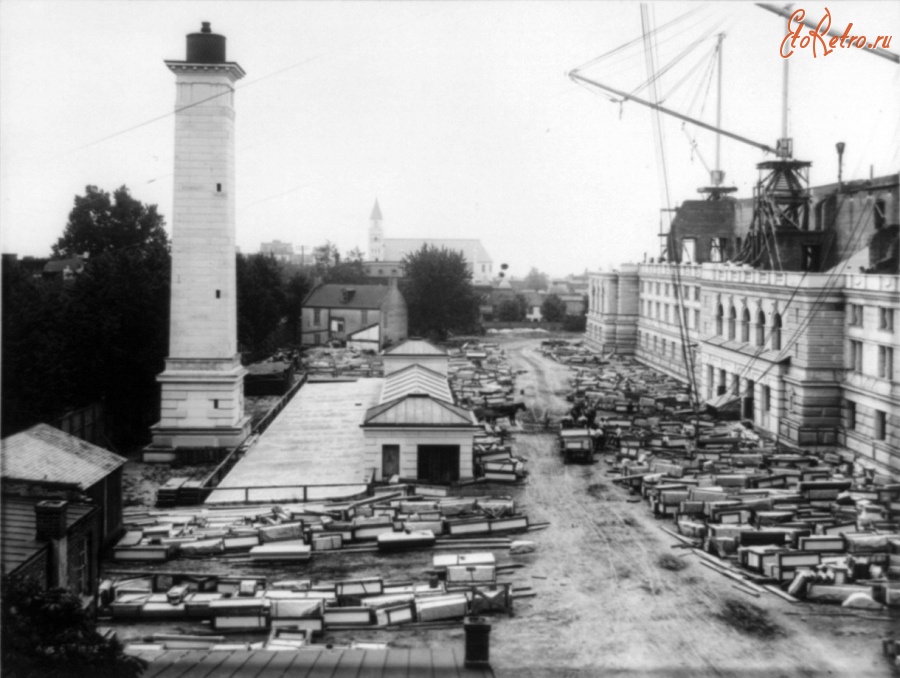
x=99 y=224
x=261 y=299
x=513 y=310
x=439 y=295
x=535 y=280
x=100 y=337
x=334 y=269
x=47 y=634
x=553 y=309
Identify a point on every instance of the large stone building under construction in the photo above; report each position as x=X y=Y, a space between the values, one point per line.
x=795 y=322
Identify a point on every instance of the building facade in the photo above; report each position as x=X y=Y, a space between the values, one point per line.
x=348 y=313
x=809 y=356
x=386 y=253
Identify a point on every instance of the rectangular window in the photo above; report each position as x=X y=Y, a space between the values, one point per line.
x=885 y=362
x=851 y=415
x=710 y=380
x=697 y=319
x=688 y=250
x=657 y=289
x=766 y=398
x=717 y=252
x=880 y=425
x=365 y=317
x=667 y=313
x=666 y=292
x=855 y=315
x=697 y=293
x=856 y=356
x=317 y=316
x=886 y=319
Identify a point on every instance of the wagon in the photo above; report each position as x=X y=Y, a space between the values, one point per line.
x=576 y=446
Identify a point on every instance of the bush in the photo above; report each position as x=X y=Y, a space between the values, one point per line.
x=48 y=634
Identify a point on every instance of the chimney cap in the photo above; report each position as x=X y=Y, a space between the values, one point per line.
x=204 y=27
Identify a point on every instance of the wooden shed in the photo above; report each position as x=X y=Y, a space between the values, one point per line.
x=417 y=430
x=45 y=462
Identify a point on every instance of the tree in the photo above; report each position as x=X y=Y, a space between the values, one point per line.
x=48 y=634
x=439 y=295
x=553 y=309
x=535 y=280
x=296 y=289
x=332 y=269
x=103 y=337
x=261 y=300
x=513 y=310
x=98 y=225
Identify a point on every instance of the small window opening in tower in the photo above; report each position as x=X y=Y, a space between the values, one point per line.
x=218 y=294
x=218 y=188
x=215 y=403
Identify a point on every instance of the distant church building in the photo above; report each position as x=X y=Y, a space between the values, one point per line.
x=385 y=254
x=202 y=402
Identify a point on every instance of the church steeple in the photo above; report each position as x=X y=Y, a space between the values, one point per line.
x=376 y=235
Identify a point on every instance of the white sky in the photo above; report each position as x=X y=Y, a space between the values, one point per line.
x=457 y=116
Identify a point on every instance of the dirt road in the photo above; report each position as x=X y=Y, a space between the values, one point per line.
x=611 y=597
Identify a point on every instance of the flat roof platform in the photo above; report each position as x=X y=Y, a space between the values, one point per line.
x=315 y=441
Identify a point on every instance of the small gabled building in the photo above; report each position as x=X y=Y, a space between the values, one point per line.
x=417 y=430
x=44 y=462
x=339 y=312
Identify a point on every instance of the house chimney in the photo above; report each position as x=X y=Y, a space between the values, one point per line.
x=50 y=519
x=51 y=525
x=478 y=641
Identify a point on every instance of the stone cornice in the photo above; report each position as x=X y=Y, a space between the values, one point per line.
x=229 y=68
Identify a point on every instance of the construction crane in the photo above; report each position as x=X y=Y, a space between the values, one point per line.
x=781 y=195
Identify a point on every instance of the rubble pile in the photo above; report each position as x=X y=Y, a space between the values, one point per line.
x=398 y=517
x=802 y=525
x=340 y=362
x=296 y=612
x=481 y=378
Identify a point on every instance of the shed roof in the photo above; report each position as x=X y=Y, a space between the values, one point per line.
x=415 y=347
x=18 y=526
x=319 y=661
x=46 y=454
x=416 y=379
x=419 y=410
x=331 y=296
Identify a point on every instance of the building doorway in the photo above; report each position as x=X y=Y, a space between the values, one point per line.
x=390 y=461
x=438 y=463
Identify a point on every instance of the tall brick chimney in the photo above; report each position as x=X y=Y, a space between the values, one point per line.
x=51 y=519
x=51 y=523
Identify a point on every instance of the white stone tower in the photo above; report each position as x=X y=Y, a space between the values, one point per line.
x=202 y=402
x=376 y=235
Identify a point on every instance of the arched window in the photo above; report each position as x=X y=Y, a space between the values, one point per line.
x=745 y=325
x=776 y=332
x=720 y=312
x=760 y=328
x=732 y=321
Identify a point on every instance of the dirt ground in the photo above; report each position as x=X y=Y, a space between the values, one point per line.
x=613 y=597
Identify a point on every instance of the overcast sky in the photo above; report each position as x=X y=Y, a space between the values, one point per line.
x=458 y=116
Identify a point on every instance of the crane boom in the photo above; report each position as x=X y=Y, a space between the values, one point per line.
x=574 y=75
